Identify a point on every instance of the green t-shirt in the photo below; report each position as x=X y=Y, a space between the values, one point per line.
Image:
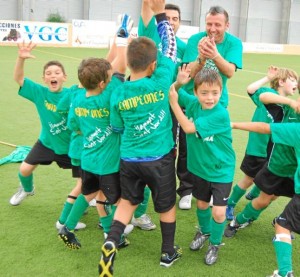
x=63 y=106
x=258 y=143
x=91 y=116
x=141 y=109
x=151 y=32
x=231 y=49
x=289 y=134
x=54 y=132
x=282 y=161
x=209 y=151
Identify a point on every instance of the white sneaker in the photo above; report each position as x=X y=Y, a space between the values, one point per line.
x=128 y=229
x=93 y=203
x=185 y=203
x=18 y=197
x=79 y=225
x=144 y=222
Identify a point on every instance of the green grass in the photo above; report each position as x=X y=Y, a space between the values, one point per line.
x=28 y=239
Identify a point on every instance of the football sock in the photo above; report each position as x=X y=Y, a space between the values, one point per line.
x=27 y=182
x=284 y=257
x=65 y=212
x=116 y=230
x=142 y=207
x=204 y=220
x=236 y=194
x=78 y=209
x=107 y=220
x=217 y=230
x=255 y=191
x=248 y=213
x=168 y=235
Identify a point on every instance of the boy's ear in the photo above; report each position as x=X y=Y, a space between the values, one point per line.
x=102 y=85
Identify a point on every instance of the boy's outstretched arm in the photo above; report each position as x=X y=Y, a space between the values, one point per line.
x=258 y=127
x=146 y=12
x=165 y=31
x=271 y=74
x=23 y=54
x=272 y=98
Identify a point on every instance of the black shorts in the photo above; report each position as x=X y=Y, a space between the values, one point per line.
x=271 y=184
x=76 y=171
x=109 y=184
x=40 y=154
x=290 y=217
x=251 y=165
x=203 y=190
x=160 y=177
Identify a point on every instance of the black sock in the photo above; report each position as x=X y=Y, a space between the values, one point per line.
x=116 y=230
x=168 y=235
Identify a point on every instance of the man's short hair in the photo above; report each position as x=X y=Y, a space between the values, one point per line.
x=173 y=7
x=214 y=10
x=141 y=52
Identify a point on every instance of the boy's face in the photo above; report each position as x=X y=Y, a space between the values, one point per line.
x=54 y=78
x=208 y=95
x=289 y=86
x=173 y=18
x=216 y=26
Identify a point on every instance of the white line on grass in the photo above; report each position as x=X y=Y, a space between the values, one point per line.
x=64 y=56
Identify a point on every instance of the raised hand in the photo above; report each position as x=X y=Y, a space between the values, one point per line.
x=25 y=50
x=173 y=95
x=272 y=72
x=125 y=23
x=157 y=6
x=183 y=76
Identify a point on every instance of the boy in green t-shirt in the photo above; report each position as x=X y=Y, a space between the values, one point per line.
x=211 y=158
x=140 y=111
x=276 y=176
x=289 y=220
x=259 y=145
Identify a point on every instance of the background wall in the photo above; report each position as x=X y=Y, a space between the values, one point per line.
x=267 y=21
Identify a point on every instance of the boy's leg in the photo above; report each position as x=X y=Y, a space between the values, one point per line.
x=253 y=193
x=26 y=182
x=140 y=218
x=204 y=221
x=170 y=251
x=68 y=205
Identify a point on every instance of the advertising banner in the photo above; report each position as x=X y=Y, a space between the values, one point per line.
x=91 y=33
x=38 y=32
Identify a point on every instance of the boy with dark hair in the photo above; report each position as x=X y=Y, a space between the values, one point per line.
x=140 y=110
x=90 y=115
x=211 y=158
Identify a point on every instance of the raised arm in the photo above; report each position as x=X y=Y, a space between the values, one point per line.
x=271 y=74
x=165 y=31
x=23 y=54
x=146 y=12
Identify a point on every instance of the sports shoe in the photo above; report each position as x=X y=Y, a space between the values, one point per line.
x=18 y=197
x=124 y=242
x=211 y=255
x=144 y=222
x=167 y=260
x=234 y=226
x=185 y=203
x=106 y=263
x=128 y=229
x=69 y=238
x=198 y=240
x=229 y=212
x=80 y=225
x=275 y=274
x=93 y=203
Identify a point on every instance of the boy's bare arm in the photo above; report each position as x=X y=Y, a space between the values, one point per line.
x=23 y=54
x=146 y=12
x=258 y=127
